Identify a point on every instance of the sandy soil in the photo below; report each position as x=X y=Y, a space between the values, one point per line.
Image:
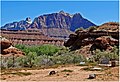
x=78 y=74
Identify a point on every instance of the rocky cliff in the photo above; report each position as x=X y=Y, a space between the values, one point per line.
x=61 y=20
x=61 y=23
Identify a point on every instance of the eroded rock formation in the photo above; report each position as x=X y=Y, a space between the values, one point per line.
x=7 y=49
x=99 y=39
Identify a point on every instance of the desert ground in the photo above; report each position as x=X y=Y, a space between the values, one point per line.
x=72 y=73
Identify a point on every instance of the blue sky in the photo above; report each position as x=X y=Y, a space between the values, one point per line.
x=96 y=11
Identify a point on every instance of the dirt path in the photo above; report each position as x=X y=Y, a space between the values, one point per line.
x=43 y=75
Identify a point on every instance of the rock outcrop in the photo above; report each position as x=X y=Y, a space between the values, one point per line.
x=4 y=44
x=104 y=43
x=12 y=51
x=97 y=39
x=7 y=49
x=110 y=26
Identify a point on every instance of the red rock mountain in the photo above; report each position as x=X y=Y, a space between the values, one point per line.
x=56 y=24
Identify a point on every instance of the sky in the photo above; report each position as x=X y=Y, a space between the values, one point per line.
x=98 y=12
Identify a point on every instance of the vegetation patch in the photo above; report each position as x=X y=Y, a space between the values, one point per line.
x=66 y=70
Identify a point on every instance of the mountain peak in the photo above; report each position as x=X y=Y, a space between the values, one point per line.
x=64 y=13
x=78 y=15
x=61 y=20
x=28 y=20
x=61 y=12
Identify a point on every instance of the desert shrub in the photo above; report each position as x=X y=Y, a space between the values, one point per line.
x=79 y=29
x=48 y=49
x=114 y=54
x=78 y=58
x=91 y=28
x=68 y=58
x=8 y=62
x=40 y=50
x=30 y=60
x=46 y=55
x=45 y=60
x=21 y=61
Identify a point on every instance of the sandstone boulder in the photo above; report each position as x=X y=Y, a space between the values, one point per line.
x=4 y=44
x=8 y=49
x=12 y=50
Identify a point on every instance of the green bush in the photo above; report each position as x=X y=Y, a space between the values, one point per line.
x=48 y=49
x=40 y=50
x=44 y=55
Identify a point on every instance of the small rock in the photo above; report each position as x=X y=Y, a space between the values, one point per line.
x=67 y=74
x=92 y=76
x=52 y=73
x=82 y=63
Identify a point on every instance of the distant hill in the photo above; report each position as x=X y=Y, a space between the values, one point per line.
x=56 y=22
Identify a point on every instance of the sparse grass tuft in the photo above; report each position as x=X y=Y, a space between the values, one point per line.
x=65 y=70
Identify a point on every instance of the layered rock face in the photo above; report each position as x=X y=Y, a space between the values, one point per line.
x=31 y=37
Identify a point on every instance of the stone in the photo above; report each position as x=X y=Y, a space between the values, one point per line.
x=113 y=63
x=82 y=63
x=97 y=68
x=52 y=73
x=92 y=76
x=104 y=61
